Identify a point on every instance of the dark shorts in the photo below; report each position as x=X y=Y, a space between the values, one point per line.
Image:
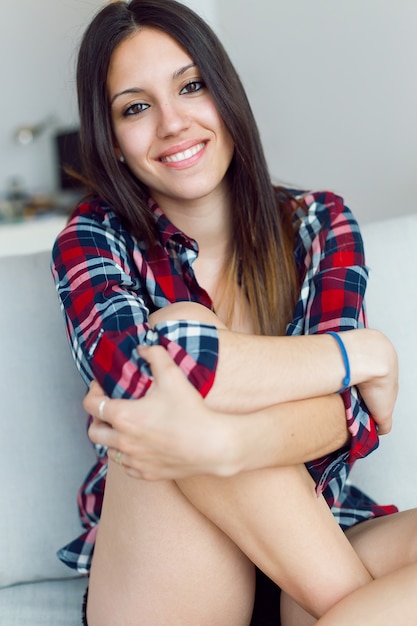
x=266 y=609
x=84 y=609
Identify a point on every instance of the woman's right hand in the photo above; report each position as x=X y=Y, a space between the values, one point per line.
x=168 y=434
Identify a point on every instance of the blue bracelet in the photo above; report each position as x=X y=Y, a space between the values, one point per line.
x=346 y=380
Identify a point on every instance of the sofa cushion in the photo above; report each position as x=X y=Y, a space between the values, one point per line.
x=42 y=424
x=50 y=603
x=387 y=474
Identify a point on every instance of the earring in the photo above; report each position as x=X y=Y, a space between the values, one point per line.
x=121 y=158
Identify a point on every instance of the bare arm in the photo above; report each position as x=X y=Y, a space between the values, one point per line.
x=295 y=368
x=172 y=433
x=290 y=433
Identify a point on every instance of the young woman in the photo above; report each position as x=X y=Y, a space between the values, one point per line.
x=186 y=260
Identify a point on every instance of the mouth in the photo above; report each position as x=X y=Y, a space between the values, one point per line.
x=178 y=157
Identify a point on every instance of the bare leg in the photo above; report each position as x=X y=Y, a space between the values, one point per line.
x=161 y=557
x=386 y=545
x=389 y=600
x=158 y=561
x=292 y=614
x=277 y=520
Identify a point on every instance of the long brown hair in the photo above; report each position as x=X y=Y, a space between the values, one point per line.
x=262 y=255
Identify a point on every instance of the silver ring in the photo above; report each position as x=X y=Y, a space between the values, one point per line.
x=101 y=408
x=118 y=458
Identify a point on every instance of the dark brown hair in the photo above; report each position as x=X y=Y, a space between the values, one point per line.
x=262 y=254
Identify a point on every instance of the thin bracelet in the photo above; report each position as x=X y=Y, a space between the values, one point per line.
x=346 y=380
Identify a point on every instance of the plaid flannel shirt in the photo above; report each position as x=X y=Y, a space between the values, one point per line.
x=108 y=285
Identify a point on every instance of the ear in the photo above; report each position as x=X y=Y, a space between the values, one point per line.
x=119 y=154
x=117 y=151
x=116 y=147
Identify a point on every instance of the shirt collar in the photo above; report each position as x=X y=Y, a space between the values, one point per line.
x=167 y=231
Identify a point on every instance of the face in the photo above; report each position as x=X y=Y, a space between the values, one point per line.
x=165 y=122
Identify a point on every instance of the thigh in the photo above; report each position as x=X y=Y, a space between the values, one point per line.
x=292 y=614
x=387 y=601
x=159 y=561
x=275 y=516
x=386 y=543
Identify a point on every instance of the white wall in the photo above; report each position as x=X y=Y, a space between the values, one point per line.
x=334 y=88
x=37 y=43
x=207 y=9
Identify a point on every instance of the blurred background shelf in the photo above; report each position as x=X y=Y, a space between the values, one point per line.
x=31 y=235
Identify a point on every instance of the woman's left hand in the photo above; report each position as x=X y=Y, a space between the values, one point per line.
x=168 y=434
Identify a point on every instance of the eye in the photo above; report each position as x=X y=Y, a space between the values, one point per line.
x=193 y=87
x=135 y=109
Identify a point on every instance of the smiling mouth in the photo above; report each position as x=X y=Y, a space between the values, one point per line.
x=183 y=156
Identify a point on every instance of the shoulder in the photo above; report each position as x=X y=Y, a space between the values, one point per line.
x=325 y=207
x=93 y=230
x=323 y=215
x=91 y=219
x=326 y=230
x=95 y=211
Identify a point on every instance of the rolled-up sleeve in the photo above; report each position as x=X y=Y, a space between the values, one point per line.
x=106 y=291
x=332 y=299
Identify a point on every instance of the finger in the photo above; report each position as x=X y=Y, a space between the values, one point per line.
x=158 y=359
x=151 y=476
x=103 y=434
x=94 y=400
x=117 y=456
x=133 y=473
x=95 y=388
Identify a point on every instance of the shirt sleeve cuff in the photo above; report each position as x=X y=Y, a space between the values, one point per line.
x=361 y=425
x=193 y=346
x=116 y=365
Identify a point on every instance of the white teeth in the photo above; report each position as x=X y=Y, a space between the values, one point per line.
x=182 y=156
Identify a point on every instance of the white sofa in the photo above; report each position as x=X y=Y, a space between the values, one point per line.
x=45 y=454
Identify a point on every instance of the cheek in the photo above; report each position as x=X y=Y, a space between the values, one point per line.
x=133 y=140
x=230 y=146
x=129 y=142
x=131 y=145
x=216 y=122
x=212 y=116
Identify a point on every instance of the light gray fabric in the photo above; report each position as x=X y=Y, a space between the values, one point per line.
x=54 y=603
x=388 y=474
x=44 y=451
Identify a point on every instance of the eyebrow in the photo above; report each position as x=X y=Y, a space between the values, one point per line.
x=182 y=70
x=136 y=90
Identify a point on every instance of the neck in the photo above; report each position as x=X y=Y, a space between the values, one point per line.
x=207 y=220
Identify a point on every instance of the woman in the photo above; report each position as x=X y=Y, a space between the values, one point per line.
x=183 y=221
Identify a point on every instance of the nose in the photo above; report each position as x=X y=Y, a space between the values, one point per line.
x=173 y=119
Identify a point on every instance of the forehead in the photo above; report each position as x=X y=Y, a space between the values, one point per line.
x=145 y=55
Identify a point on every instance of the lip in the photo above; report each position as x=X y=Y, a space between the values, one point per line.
x=187 y=153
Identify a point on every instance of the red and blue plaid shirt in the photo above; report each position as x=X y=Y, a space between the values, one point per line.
x=108 y=285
